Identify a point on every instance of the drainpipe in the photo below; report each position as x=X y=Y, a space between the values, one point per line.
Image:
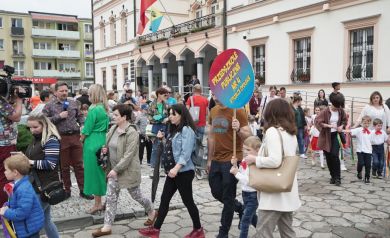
x=224 y=25
x=135 y=18
x=93 y=46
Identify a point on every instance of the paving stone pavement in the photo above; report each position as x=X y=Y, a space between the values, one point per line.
x=352 y=210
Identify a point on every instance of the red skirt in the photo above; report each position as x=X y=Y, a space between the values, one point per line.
x=313 y=143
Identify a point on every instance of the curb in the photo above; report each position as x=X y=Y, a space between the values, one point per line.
x=80 y=222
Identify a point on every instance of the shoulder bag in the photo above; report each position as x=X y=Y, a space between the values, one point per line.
x=53 y=193
x=194 y=111
x=274 y=180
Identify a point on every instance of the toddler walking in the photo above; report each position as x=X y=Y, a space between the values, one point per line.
x=249 y=195
x=378 y=138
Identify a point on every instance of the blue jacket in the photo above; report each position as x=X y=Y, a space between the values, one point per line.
x=183 y=144
x=25 y=210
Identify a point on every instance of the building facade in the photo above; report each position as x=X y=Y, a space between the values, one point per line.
x=189 y=40
x=43 y=46
x=307 y=44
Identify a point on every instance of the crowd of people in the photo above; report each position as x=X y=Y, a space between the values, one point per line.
x=75 y=132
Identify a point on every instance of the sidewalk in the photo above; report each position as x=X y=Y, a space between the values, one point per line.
x=351 y=211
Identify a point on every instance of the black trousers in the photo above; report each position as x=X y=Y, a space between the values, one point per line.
x=183 y=183
x=332 y=157
x=223 y=187
x=364 y=160
x=145 y=142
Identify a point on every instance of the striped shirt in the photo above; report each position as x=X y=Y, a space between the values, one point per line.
x=52 y=155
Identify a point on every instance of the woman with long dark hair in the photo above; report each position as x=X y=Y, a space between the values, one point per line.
x=280 y=138
x=331 y=122
x=180 y=144
x=320 y=100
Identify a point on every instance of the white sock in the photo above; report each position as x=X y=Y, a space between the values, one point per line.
x=321 y=157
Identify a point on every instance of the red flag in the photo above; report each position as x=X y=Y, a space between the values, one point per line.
x=145 y=4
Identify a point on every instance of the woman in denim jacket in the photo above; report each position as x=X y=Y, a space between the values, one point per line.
x=182 y=136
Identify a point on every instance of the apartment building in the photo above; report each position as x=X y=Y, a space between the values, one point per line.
x=307 y=44
x=188 y=39
x=48 y=47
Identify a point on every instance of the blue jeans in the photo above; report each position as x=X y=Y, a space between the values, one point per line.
x=50 y=227
x=223 y=187
x=378 y=159
x=200 y=133
x=249 y=217
x=153 y=159
x=301 y=141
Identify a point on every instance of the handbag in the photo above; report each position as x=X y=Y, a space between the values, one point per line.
x=168 y=161
x=275 y=180
x=194 y=111
x=53 y=193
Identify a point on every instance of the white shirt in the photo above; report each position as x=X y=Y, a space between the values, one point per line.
x=363 y=140
x=382 y=113
x=378 y=139
x=313 y=130
x=254 y=127
x=243 y=177
x=334 y=118
x=284 y=202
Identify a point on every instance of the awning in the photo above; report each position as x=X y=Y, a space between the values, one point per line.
x=56 y=18
x=39 y=80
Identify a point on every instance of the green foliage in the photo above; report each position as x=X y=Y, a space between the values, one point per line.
x=24 y=138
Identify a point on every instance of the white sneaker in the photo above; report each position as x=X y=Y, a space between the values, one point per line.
x=303 y=156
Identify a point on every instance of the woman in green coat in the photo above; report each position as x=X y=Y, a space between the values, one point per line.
x=94 y=137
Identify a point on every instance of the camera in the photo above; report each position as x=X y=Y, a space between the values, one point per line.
x=8 y=86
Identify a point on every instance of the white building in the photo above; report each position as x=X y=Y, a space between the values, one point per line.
x=307 y=44
x=115 y=26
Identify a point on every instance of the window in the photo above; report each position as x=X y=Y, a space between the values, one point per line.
x=126 y=73
x=42 y=65
x=114 y=79
x=88 y=48
x=42 y=45
x=104 y=37
x=66 y=27
x=1 y=22
x=113 y=33
x=16 y=22
x=67 y=67
x=361 y=54
x=87 y=28
x=1 y=44
x=198 y=15
x=41 y=24
x=104 y=78
x=17 y=47
x=19 y=68
x=66 y=46
x=89 y=69
x=214 y=9
x=124 y=30
x=258 y=62
x=302 y=50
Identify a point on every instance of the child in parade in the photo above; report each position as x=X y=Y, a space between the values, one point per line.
x=363 y=148
x=378 y=138
x=314 y=134
x=306 y=135
x=253 y=125
x=24 y=208
x=249 y=195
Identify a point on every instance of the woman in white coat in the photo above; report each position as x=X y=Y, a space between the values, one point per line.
x=277 y=208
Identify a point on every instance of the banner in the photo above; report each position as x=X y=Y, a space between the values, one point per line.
x=231 y=78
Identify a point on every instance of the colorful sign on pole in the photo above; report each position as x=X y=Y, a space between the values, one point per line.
x=231 y=78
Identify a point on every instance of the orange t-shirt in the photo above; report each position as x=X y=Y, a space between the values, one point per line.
x=221 y=119
x=35 y=101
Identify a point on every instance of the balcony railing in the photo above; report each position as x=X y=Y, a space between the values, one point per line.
x=88 y=54
x=50 y=33
x=17 y=31
x=56 y=73
x=300 y=76
x=196 y=25
x=56 y=53
x=18 y=54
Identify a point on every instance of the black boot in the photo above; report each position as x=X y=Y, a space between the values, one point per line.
x=332 y=181
x=337 y=182
x=367 y=180
x=359 y=175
